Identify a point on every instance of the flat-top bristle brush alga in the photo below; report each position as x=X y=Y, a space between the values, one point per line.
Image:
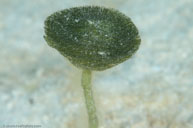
x=92 y=38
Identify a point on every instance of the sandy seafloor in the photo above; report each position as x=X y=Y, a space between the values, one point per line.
x=154 y=89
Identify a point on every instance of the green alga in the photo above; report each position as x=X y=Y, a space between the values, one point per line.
x=92 y=38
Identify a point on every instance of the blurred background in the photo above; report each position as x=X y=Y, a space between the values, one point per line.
x=153 y=89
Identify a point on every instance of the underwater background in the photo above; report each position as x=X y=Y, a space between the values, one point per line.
x=153 y=89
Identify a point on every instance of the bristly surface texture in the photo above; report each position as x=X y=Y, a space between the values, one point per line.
x=92 y=37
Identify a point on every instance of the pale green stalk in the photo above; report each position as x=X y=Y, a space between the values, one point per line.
x=89 y=100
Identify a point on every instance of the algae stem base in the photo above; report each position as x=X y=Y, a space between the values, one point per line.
x=89 y=100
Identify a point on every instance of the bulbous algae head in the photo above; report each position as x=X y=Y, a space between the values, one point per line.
x=92 y=37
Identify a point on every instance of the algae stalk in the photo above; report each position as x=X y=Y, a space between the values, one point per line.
x=86 y=83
